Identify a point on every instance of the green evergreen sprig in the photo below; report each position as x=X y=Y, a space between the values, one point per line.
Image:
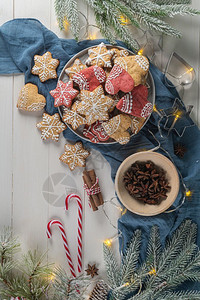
x=163 y=270
x=145 y=14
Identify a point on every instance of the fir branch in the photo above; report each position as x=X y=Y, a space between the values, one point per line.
x=174 y=244
x=154 y=248
x=168 y=2
x=130 y=258
x=67 y=10
x=69 y=288
x=113 y=273
x=179 y=296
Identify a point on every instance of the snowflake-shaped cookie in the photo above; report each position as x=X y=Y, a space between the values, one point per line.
x=51 y=127
x=94 y=105
x=75 y=68
x=74 y=155
x=45 y=66
x=64 y=94
x=100 y=56
x=117 y=127
x=73 y=118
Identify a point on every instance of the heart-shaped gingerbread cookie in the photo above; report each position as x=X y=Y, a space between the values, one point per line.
x=29 y=98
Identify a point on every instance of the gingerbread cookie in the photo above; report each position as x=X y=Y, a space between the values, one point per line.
x=117 y=127
x=51 y=127
x=64 y=93
x=119 y=53
x=45 y=66
x=73 y=118
x=74 y=155
x=89 y=79
x=89 y=134
x=99 y=132
x=94 y=105
x=99 y=56
x=116 y=99
x=136 y=65
x=29 y=98
x=75 y=68
x=135 y=103
x=119 y=80
x=136 y=124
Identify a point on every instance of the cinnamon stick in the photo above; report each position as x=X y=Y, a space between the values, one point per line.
x=94 y=207
x=92 y=175
x=89 y=184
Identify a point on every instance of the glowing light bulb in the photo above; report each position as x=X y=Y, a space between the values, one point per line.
x=108 y=242
x=154 y=108
x=190 y=70
x=188 y=193
x=52 y=277
x=124 y=211
x=123 y=20
x=92 y=36
x=177 y=115
x=152 y=272
x=141 y=51
x=126 y=284
x=65 y=24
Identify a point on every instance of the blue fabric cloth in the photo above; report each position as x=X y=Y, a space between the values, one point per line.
x=21 y=39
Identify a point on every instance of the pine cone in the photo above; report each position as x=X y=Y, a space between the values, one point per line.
x=100 y=291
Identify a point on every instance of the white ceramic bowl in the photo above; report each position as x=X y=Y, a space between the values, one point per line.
x=136 y=206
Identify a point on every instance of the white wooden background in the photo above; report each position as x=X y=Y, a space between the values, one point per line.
x=26 y=162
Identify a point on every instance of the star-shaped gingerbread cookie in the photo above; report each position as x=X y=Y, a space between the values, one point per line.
x=73 y=118
x=64 y=93
x=100 y=56
x=45 y=66
x=51 y=127
x=75 y=68
x=74 y=155
x=94 y=105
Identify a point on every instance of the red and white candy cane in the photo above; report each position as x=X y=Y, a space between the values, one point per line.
x=64 y=237
x=80 y=221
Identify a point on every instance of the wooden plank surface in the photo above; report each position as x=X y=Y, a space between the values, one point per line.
x=33 y=181
x=6 y=130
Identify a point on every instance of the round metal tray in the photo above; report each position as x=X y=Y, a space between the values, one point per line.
x=83 y=55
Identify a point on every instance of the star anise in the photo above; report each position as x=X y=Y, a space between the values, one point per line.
x=92 y=270
x=146 y=182
x=179 y=150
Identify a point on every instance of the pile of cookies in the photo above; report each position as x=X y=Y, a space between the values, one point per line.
x=107 y=96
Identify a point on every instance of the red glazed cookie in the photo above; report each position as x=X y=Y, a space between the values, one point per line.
x=89 y=134
x=99 y=132
x=89 y=79
x=135 y=103
x=64 y=93
x=119 y=80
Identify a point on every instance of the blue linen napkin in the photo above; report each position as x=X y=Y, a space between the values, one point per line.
x=21 y=39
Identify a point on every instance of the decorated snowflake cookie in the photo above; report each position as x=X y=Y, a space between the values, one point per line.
x=135 y=103
x=45 y=66
x=29 y=98
x=73 y=118
x=119 y=53
x=94 y=105
x=51 y=127
x=74 y=155
x=100 y=56
x=76 y=67
x=117 y=127
x=64 y=94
